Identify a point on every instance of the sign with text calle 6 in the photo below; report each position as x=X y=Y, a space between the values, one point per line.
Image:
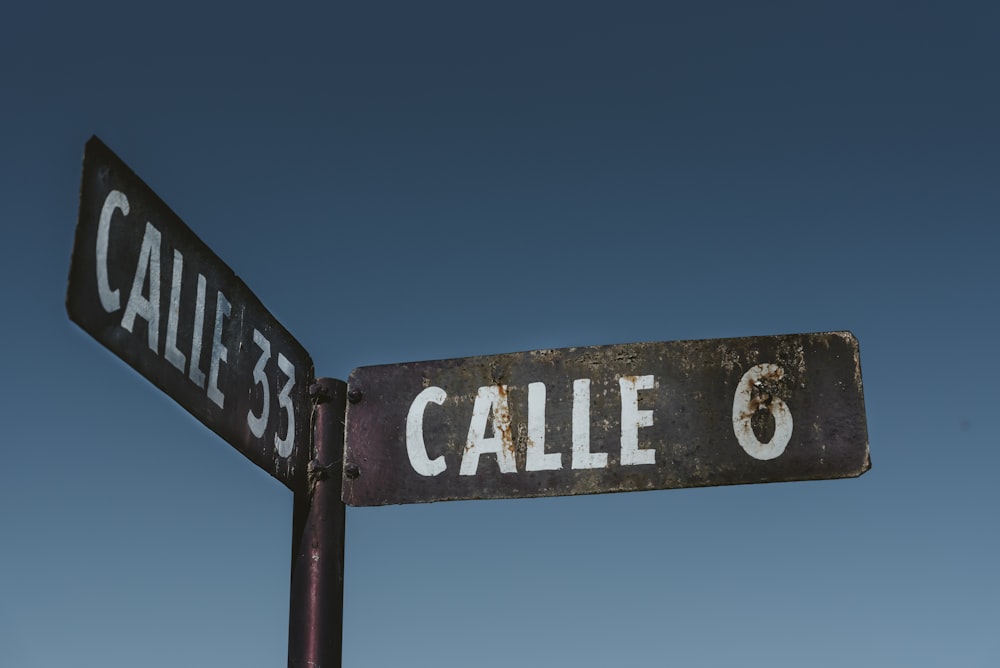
x=607 y=419
x=146 y=287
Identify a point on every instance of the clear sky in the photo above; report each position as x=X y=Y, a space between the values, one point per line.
x=404 y=181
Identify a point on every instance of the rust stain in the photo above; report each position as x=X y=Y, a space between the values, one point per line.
x=501 y=420
x=762 y=392
x=523 y=440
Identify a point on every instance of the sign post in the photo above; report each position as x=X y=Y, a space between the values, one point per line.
x=315 y=620
x=607 y=419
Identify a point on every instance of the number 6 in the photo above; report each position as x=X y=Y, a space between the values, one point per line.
x=745 y=405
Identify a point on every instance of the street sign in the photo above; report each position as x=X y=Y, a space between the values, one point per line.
x=147 y=288
x=607 y=419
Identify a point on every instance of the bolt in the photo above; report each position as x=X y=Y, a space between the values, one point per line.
x=320 y=392
x=354 y=395
x=352 y=471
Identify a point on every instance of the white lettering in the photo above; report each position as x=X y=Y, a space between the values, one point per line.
x=195 y=373
x=148 y=267
x=116 y=200
x=258 y=423
x=633 y=419
x=745 y=405
x=492 y=409
x=538 y=459
x=415 y=447
x=583 y=458
x=173 y=355
x=284 y=445
x=219 y=351
x=489 y=399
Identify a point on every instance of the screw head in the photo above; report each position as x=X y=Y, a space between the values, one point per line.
x=352 y=471
x=354 y=395
x=319 y=392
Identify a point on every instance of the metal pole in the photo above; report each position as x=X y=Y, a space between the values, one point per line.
x=316 y=606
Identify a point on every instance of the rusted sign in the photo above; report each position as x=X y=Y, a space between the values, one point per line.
x=147 y=288
x=607 y=419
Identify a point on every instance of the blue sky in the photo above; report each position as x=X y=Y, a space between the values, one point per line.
x=411 y=181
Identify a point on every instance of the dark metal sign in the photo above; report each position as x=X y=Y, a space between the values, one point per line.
x=607 y=419
x=147 y=288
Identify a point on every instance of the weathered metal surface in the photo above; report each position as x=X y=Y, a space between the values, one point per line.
x=147 y=288
x=607 y=419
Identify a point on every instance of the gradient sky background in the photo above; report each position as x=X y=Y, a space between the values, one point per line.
x=403 y=181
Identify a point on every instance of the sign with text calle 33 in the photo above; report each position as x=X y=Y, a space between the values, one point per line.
x=147 y=288
x=607 y=419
